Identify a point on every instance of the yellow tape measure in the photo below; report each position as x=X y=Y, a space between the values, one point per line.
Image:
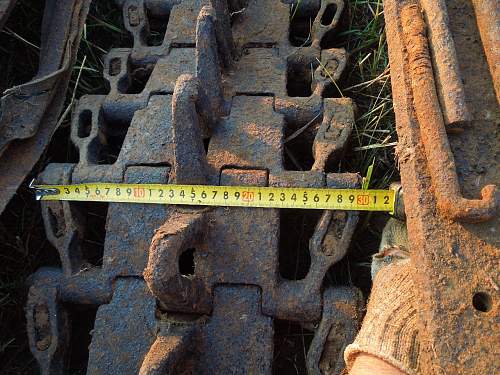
x=234 y=196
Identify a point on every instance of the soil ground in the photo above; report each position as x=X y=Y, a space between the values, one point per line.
x=23 y=244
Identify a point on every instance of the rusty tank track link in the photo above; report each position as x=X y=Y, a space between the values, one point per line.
x=228 y=83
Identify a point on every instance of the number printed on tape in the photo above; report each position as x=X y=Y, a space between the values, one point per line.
x=235 y=196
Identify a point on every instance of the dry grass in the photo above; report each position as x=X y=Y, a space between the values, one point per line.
x=369 y=85
x=367 y=81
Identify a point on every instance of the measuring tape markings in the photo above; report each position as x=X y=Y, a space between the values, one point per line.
x=233 y=196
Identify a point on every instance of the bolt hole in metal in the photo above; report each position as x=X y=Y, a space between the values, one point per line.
x=115 y=66
x=332 y=38
x=186 y=262
x=206 y=143
x=41 y=316
x=63 y=151
x=298 y=81
x=82 y=319
x=331 y=90
x=298 y=152
x=85 y=123
x=482 y=302
x=299 y=139
x=136 y=80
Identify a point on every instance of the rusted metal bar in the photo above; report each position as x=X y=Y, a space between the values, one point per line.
x=183 y=228
x=181 y=231
x=190 y=162
x=87 y=287
x=446 y=68
x=439 y=156
x=488 y=21
x=332 y=136
x=299 y=300
x=208 y=58
x=135 y=12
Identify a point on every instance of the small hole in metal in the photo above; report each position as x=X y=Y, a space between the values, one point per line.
x=482 y=302
x=115 y=66
x=85 y=123
x=186 y=262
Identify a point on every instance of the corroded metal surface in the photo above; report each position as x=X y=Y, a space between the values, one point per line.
x=449 y=84
x=432 y=130
x=456 y=263
x=198 y=289
x=488 y=21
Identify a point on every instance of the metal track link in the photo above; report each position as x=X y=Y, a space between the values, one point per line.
x=211 y=102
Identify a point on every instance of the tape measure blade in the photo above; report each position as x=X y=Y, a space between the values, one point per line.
x=233 y=196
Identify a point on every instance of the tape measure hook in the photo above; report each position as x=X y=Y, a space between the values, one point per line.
x=40 y=192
